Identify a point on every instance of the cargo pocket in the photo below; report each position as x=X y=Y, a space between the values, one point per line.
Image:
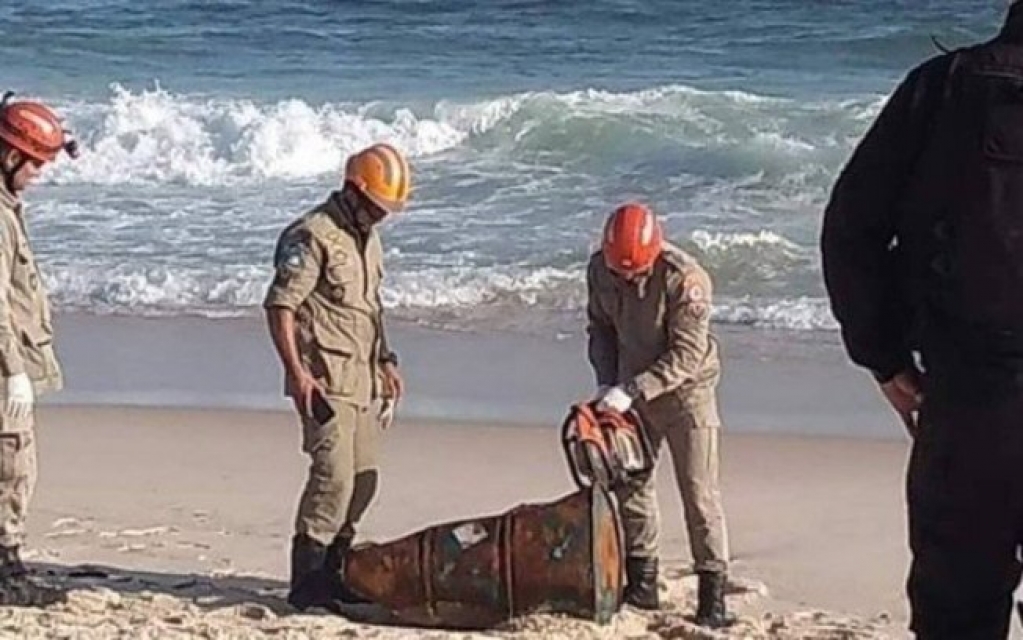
x=11 y=467
x=316 y=436
x=38 y=353
x=333 y=363
x=701 y=409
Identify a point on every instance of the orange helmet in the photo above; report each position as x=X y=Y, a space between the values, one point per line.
x=632 y=239
x=33 y=129
x=382 y=174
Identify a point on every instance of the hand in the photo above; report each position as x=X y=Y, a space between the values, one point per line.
x=387 y=406
x=302 y=387
x=615 y=400
x=904 y=395
x=394 y=386
x=20 y=397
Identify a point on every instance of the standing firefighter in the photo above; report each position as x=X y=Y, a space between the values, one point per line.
x=325 y=318
x=923 y=259
x=31 y=136
x=651 y=348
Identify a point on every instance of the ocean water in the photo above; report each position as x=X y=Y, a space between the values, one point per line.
x=207 y=126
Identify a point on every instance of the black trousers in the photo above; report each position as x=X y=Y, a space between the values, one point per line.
x=965 y=498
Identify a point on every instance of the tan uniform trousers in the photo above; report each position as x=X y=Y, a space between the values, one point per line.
x=17 y=477
x=342 y=477
x=692 y=429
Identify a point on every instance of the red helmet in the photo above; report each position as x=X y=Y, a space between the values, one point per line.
x=34 y=129
x=632 y=239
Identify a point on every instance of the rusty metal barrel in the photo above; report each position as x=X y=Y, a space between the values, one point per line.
x=562 y=557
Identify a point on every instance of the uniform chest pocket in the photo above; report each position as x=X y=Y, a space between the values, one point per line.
x=342 y=281
x=25 y=274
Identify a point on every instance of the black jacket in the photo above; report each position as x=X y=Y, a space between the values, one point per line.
x=923 y=233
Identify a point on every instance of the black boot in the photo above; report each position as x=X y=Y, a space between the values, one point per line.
x=11 y=565
x=19 y=589
x=641 y=583
x=710 y=604
x=309 y=585
x=336 y=553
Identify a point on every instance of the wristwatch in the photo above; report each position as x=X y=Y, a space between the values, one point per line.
x=389 y=358
x=631 y=389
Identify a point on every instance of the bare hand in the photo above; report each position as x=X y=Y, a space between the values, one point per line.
x=904 y=394
x=394 y=386
x=302 y=387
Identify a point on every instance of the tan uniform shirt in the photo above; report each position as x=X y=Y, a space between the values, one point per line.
x=329 y=274
x=26 y=327
x=654 y=334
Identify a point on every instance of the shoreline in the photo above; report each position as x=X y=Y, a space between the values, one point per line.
x=773 y=382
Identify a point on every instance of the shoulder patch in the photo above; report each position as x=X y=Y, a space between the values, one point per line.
x=293 y=251
x=697 y=310
x=292 y=256
x=695 y=288
x=694 y=293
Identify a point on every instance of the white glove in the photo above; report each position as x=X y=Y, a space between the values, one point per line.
x=19 y=397
x=387 y=406
x=602 y=391
x=615 y=399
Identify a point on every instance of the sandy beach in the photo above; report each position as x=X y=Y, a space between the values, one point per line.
x=171 y=517
x=176 y=524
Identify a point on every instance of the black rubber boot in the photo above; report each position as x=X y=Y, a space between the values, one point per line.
x=19 y=589
x=641 y=583
x=710 y=605
x=309 y=584
x=336 y=553
x=11 y=565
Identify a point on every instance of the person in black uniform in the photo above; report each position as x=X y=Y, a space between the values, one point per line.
x=922 y=247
